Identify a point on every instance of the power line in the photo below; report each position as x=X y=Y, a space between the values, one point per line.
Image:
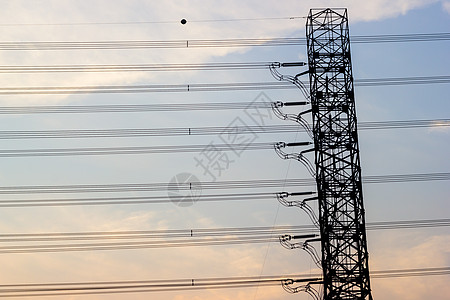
x=133 y=245
x=147 y=187
x=140 y=132
x=176 y=196
x=146 y=239
x=155 y=88
x=145 y=286
x=142 y=67
x=187 y=186
x=204 y=87
x=158 y=107
x=114 y=287
x=148 y=22
x=206 y=232
x=410 y=272
x=52 y=152
x=90 y=151
x=49 y=109
x=148 y=44
x=135 y=200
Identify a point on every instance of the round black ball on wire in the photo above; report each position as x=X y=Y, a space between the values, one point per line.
x=183 y=21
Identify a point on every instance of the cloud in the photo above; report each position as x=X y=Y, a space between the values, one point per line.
x=408 y=251
x=145 y=264
x=186 y=262
x=446 y=6
x=382 y=9
x=50 y=11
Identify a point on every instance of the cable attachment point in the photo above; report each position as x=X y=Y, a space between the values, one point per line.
x=285 y=240
x=292 y=79
x=287 y=286
x=293 y=117
x=312 y=251
x=303 y=204
x=297 y=156
x=277 y=104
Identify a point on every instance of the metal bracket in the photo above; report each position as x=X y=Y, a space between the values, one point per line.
x=303 y=204
x=287 y=286
x=285 y=241
x=312 y=252
x=292 y=79
x=276 y=108
x=297 y=156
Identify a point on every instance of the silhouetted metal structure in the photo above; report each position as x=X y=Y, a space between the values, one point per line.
x=338 y=171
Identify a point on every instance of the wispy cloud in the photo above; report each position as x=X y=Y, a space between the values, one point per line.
x=408 y=251
x=48 y=12
x=446 y=6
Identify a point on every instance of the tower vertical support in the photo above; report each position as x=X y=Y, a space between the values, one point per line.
x=338 y=171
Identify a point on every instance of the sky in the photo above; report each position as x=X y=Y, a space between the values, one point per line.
x=383 y=152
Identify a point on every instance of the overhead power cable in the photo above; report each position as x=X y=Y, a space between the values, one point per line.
x=204 y=87
x=137 y=199
x=54 y=152
x=150 y=22
x=167 y=285
x=132 y=245
x=158 y=107
x=213 y=43
x=206 y=232
x=145 y=239
x=217 y=185
x=145 y=286
x=50 y=109
x=235 y=130
x=410 y=272
x=47 y=152
x=143 y=67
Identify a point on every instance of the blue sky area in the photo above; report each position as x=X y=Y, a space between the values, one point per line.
x=383 y=151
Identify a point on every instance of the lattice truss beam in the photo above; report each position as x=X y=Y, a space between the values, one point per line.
x=338 y=171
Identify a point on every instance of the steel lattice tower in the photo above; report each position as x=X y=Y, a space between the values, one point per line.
x=338 y=171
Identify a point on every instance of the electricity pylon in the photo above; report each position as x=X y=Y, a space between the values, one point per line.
x=338 y=171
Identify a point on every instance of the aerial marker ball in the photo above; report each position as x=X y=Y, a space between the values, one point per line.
x=183 y=21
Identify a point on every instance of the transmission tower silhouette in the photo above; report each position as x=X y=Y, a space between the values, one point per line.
x=337 y=160
x=337 y=169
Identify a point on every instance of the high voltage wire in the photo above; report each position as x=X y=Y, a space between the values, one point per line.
x=410 y=272
x=148 y=22
x=186 y=186
x=59 y=109
x=206 y=232
x=114 y=287
x=122 y=240
x=176 y=190
x=147 y=44
x=140 y=132
x=47 y=152
x=203 y=87
x=146 y=187
x=49 y=109
x=134 y=150
x=133 y=245
x=176 y=197
x=176 y=233
x=135 y=200
x=142 y=67
x=148 y=88
x=145 y=286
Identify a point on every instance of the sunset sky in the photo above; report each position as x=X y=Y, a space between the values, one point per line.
x=383 y=151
